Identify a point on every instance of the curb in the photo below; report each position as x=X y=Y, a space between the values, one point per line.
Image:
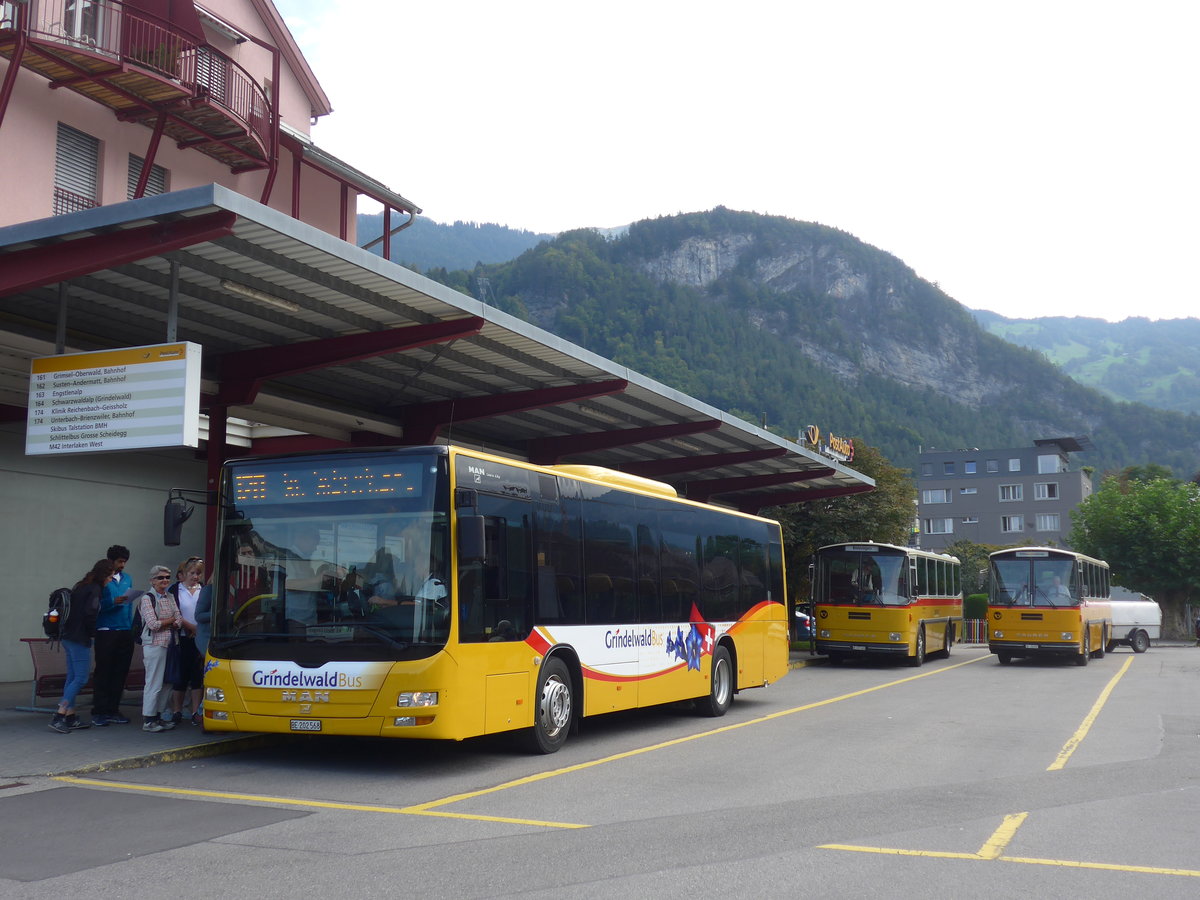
x=176 y=754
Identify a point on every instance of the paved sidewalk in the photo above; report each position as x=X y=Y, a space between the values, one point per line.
x=28 y=748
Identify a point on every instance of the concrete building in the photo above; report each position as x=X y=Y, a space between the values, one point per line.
x=1021 y=495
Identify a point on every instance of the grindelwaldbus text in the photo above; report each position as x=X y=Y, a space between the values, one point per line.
x=436 y=592
x=879 y=599
x=1045 y=601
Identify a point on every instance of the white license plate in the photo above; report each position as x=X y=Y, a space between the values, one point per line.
x=858 y=647
x=1031 y=646
x=306 y=724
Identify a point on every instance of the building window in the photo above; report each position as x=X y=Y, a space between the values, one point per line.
x=969 y=467
x=947 y=468
x=1011 y=524
x=926 y=470
x=1014 y=465
x=993 y=466
x=1046 y=490
x=1050 y=464
x=1010 y=492
x=970 y=520
x=937 y=495
x=76 y=170
x=939 y=526
x=968 y=490
x=156 y=184
x=1048 y=522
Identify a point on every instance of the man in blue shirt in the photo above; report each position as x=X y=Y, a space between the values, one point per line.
x=114 y=642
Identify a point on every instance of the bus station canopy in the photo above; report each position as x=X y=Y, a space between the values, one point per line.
x=305 y=332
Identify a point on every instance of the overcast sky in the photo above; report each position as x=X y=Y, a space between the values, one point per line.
x=1032 y=158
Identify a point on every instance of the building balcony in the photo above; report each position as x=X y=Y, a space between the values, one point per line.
x=146 y=71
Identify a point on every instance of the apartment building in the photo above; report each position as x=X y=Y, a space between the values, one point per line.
x=1019 y=495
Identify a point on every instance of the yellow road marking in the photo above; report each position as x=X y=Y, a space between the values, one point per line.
x=1002 y=836
x=1071 y=745
x=994 y=847
x=305 y=804
x=627 y=754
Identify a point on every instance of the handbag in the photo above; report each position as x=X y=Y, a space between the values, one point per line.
x=172 y=672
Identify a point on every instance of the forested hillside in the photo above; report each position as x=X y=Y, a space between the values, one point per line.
x=800 y=324
x=1157 y=363
x=426 y=245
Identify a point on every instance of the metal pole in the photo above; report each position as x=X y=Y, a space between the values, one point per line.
x=60 y=332
x=173 y=302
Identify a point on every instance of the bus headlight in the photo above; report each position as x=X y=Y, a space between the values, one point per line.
x=417 y=698
x=998 y=635
x=1066 y=636
x=824 y=632
x=215 y=694
x=894 y=636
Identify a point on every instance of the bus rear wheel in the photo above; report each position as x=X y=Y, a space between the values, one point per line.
x=555 y=706
x=720 y=690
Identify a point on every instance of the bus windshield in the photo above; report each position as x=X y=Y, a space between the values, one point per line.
x=1043 y=581
x=337 y=559
x=862 y=577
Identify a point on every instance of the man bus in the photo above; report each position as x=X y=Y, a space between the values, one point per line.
x=460 y=594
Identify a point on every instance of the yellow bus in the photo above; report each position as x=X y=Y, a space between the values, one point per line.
x=873 y=599
x=439 y=592
x=1046 y=601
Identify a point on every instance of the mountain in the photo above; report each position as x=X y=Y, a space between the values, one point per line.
x=1156 y=363
x=793 y=323
x=427 y=245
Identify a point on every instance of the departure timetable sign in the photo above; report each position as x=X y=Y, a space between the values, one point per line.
x=127 y=399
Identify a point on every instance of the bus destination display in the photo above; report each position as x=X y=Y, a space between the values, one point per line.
x=333 y=482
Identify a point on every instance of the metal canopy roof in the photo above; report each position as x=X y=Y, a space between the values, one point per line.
x=307 y=332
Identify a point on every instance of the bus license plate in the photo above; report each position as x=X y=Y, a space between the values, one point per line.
x=306 y=724
x=858 y=647
x=1031 y=646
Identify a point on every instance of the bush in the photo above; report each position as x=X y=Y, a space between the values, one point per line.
x=975 y=606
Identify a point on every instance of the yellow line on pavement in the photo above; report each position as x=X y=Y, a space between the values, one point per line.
x=305 y=804
x=1002 y=836
x=1071 y=745
x=1108 y=867
x=627 y=754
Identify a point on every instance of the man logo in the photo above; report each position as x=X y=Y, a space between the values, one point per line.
x=305 y=696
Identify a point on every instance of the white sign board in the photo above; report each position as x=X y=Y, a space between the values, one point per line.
x=126 y=399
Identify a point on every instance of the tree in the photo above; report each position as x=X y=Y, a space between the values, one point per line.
x=974 y=559
x=1149 y=533
x=884 y=515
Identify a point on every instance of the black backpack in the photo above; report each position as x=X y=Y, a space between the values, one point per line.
x=137 y=624
x=54 y=619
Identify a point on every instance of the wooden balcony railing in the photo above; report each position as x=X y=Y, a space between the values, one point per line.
x=100 y=47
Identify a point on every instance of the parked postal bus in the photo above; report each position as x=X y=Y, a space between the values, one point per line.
x=436 y=592
x=872 y=599
x=1045 y=601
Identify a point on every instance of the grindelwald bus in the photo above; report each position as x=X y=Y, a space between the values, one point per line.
x=437 y=592
x=1045 y=601
x=873 y=599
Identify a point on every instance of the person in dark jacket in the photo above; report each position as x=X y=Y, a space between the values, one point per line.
x=78 y=632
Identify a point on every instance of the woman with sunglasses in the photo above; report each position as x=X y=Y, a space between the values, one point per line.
x=162 y=621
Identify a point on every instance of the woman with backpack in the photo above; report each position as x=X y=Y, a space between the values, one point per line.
x=161 y=622
x=77 y=634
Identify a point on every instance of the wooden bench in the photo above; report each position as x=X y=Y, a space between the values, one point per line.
x=50 y=673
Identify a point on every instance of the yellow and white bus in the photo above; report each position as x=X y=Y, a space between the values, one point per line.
x=1046 y=601
x=438 y=592
x=873 y=599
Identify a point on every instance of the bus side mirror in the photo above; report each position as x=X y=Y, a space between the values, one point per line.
x=175 y=513
x=470 y=537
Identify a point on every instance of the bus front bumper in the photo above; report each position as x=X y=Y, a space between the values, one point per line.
x=1034 y=648
x=849 y=647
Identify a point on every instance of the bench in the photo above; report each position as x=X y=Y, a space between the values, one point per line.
x=50 y=673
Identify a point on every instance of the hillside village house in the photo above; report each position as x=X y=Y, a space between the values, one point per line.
x=102 y=102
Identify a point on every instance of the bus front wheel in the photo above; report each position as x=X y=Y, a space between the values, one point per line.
x=1086 y=646
x=918 y=657
x=720 y=688
x=555 y=706
x=1005 y=658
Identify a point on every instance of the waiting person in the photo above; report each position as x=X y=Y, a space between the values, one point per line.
x=162 y=621
x=114 y=642
x=78 y=632
x=186 y=689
